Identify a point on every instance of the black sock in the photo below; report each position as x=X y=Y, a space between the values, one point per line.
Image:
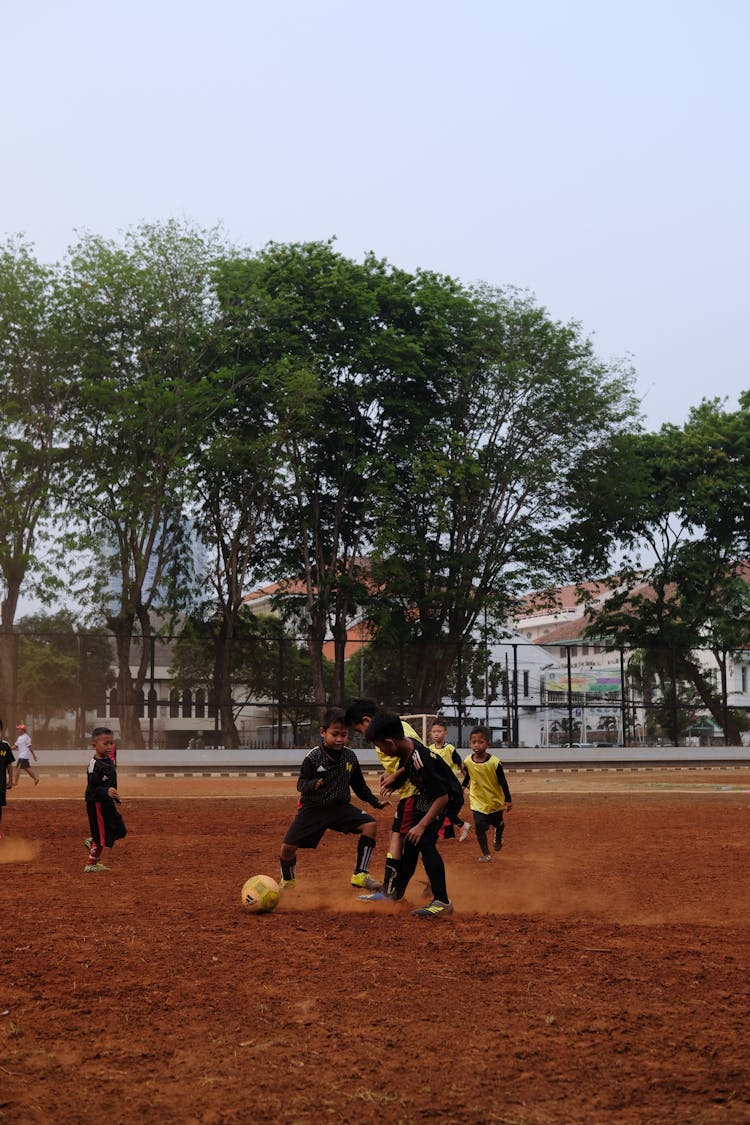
x=365 y=848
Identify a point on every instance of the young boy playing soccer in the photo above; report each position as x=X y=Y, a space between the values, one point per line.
x=6 y=772
x=102 y=799
x=437 y=791
x=326 y=776
x=447 y=751
x=489 y=794
x=359 y=715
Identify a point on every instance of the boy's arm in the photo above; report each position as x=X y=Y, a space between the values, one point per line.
x=503 y=784
x=391 y=781
x=309 y=780
x=457 y=759
x=415 y=834
x=362 y=789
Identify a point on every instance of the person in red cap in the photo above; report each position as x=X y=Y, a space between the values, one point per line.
x=24 y=753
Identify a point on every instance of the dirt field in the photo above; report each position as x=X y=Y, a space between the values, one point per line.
x=595 y=971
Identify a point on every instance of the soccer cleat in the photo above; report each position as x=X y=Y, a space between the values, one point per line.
x=485 y=859
x=362 y=879
x=377 y=896
x=87 y=843
x=436 y=909
x=465 y=830
x=92 y=867
x=498 y=841
x=286 y=884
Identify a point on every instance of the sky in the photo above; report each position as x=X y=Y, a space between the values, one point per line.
x=592 y=152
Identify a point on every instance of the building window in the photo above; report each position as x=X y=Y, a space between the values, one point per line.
x=743 y=674
x=200 y=704
x=526 y=683
x=174 y=704
x=187 y=704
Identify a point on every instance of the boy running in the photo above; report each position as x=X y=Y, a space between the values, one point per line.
x=489 y=794
x=327 y=775
x=437 y=792
x=447 y=751
x=102 y=799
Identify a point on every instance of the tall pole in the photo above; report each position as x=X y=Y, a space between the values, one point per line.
x=570 y=699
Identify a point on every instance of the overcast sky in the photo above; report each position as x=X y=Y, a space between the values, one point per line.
x=594 y=152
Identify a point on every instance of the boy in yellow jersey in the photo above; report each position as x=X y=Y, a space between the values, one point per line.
x=489 y=795
x=447 y=751
x=359 y=715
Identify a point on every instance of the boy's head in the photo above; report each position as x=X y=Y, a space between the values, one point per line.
x=479 y=739
x=333 y=729
x=359 y=713
x=103 y=741
x=385 y=730
x=21 y=728
x=438 y=732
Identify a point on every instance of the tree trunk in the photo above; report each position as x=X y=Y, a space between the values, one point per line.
x=223 y=685
x=131 y=734
x=710 y=701
x=435 y=659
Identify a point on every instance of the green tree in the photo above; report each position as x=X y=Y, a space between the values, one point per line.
x=143 y=322
x=311 y=315
x=501 y=401
x=33 y=391
x=673 y=507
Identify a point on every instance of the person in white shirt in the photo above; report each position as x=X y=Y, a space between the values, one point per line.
x=24 y=753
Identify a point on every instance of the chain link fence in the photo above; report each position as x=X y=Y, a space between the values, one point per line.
x=63 y=684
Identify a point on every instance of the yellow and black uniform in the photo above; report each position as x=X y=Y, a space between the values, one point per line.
x=6 y=761
x=488 y=796
x=452 y=758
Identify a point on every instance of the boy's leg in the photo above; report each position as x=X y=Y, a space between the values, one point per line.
x=433 y=865
x=288 y=865
x=480 y=827
x=365 y=852
x=499 y=829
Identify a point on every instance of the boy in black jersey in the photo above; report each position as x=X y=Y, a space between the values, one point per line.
x=438 y=794
x=327 y=775
x=6 y=773
x=102 y=799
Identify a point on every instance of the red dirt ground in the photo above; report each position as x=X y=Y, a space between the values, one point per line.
x=595 y=971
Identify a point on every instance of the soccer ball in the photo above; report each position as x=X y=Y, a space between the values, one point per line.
x=260 y=894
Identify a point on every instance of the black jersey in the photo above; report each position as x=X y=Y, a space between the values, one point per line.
x=340 y=773
x=6 y=761
x=102 y=776
x=432 y=778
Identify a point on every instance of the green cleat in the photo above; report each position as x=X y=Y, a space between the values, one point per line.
x=287 y=884
x=92 y=867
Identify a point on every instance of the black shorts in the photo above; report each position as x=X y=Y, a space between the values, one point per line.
x=484 y=820
x=313 y=821
x=24 y=764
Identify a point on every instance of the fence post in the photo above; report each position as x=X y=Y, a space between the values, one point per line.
x=623 y=700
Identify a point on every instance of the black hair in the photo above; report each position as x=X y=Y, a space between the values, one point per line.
x=332 y=715
x=438 y=722
x=360 y=709
x=484 y=731
x=101 y=730
x=384 y=725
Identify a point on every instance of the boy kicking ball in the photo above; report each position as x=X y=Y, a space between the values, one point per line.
x=327 y=775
